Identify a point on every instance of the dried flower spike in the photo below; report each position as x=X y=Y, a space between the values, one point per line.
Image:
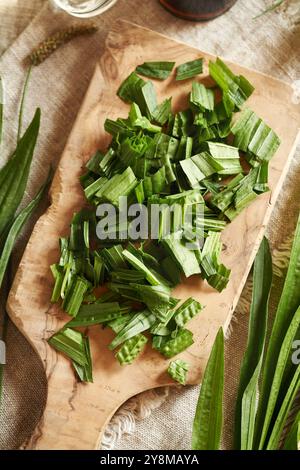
x=49 y=45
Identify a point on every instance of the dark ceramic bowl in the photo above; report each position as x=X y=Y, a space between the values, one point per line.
x=197 y=10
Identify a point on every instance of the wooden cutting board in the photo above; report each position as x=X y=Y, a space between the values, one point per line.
x=76 y=414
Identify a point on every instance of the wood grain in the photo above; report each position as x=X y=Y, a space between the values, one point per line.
x=76 y=414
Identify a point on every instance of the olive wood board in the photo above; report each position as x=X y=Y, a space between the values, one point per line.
x=76 y=414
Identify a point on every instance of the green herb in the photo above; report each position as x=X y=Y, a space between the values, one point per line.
x=127 y=90
x=49 y=45
x=114 y=258
x=202 y=97
x=162 y=112
x=236 y=89
x=146 y=99
x=131 y=349
x=261 y=418
x=84 y=372
x=17 y=225
x=178 y=370
x=254 y=136
x=75 y=294
x=293 y=437
x=1 y=109
x=118 y=323
x=14 y=174
x=159 y=70
x=152 y=277
x=140 y=322
x=185 y=259
x=173 y=346
x=93 y=314
x=246 y=405
x=272 y=7
x=94 y=162
x=208 y=419
x=189 y=69
x=22 y=103
x=72 y=344
x=188 y=310
x=157 y=299
x=283 y=359
x=285 y=409
x=288 y=304
x=227 y=157
x=183 y=162
x=217 y=275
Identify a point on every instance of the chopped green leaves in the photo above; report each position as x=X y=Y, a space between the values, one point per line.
x=178 y=370
x=139 y=323
x=174 y=346
x=202 y=97
x=85 y=372
x=189 y=69
x=71 y=343
x=131 y=349
x=159 y=70
x=254 y=136
x=127 y=90
x=94 y=314
x=201 y=177
x=162 y=112
x=75 y=294
x=236 y=89
x=188 y=310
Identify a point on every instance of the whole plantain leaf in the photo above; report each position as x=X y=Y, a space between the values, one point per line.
x=208 y=419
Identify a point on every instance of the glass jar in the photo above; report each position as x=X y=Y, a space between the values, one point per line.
x=84 y=8
x=197 y=10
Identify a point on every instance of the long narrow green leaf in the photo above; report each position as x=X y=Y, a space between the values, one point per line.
x=293 y=438
x=208 y=419
x=288 y=304
x=248 y=410
x=14 y=175
x=16 y=227
x=1 y=109
x=272 y=7
x=283 y=359
x=20 y=121
x=252 y=360
x=284 y=411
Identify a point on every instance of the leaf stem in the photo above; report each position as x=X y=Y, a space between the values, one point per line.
x=25 y=87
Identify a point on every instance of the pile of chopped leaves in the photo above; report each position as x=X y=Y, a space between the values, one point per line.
x=202 y=155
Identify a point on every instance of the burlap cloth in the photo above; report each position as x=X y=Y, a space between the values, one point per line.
x=270 y=44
